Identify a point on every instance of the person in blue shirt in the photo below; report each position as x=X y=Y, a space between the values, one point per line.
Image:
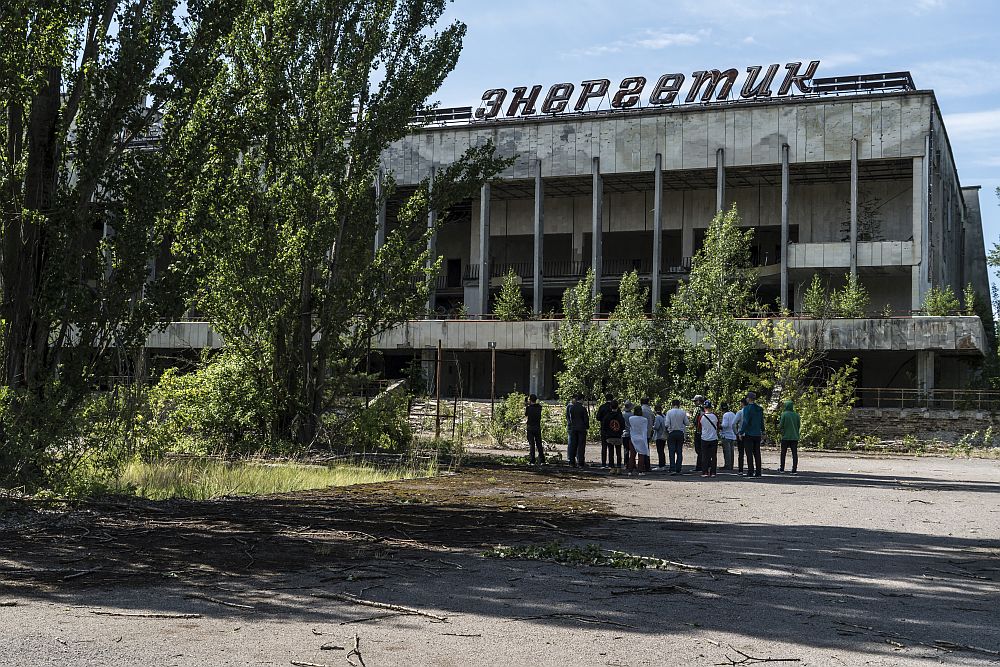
x=752 y=429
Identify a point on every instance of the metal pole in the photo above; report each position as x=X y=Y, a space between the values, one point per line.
x=539 y=237
x=784 y=226
x=854 y=208
x=437 y=391
x=484 y=249
x=596 y=236
x=657 y=228
x=493 y=376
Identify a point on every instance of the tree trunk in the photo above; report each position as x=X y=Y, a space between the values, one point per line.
x=24 y=251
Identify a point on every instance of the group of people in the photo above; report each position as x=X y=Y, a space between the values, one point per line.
x=627 y=430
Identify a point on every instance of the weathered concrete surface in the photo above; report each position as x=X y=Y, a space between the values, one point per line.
x=856 y=561
x=924 y=424
x=886 y=126
x=946 y=334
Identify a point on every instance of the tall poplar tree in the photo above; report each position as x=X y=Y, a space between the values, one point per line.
x=81 y=82
x=279 y=226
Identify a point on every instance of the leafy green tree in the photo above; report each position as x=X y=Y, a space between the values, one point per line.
x=941 y=301
x=969 y=300
x=510 y=306
x=720 y=289
x=792 y=368
x=584 y=346
x=82 y=84
x=851 y=300
x=816 y=300
x=278 y=228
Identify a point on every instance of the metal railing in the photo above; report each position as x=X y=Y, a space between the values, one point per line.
x=577 y=269
x=939 y=399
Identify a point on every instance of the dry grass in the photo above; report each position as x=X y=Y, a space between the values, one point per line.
x=202 y=479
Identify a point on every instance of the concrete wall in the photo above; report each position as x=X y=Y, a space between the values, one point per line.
x=816 y=130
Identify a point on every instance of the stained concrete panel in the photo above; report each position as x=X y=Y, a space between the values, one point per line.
x=695 y=140
x=861 y=122
x=742 y=136
x=648 y=142
x=673 y=142
x=812 y=120
x=837 y=130
x=892 y=118
x=765 y=135
x=915 y=113
x=787 y=125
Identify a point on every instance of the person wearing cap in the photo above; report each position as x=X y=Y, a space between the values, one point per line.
x=710 y=427
x=752 y=429
x=698 y=410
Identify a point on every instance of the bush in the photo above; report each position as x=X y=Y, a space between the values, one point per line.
x=382 y=426
x=815 y=301
x=852 y=300
x=223 y=407
x=510 y=306
x=941 y=301
x=508 y=416
x=824 y=409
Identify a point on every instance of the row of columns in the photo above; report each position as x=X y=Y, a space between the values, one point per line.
x=597 y=211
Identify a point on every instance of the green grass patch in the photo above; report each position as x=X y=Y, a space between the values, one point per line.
x=202 y=479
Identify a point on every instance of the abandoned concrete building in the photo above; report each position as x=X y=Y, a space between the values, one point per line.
x=851 y=177
x=854 y=175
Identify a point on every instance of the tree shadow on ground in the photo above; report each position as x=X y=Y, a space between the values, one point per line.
x=419 y=544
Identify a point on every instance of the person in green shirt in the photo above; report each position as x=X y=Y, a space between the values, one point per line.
x=789 y=423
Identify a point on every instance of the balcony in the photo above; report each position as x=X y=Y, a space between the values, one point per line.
x=575 y=270
x=838 y=255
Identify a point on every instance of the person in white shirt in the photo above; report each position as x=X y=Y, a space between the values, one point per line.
x=728 y=436
x=639 y=429
x=710 y=428
x=660 y=436
x=677 y=423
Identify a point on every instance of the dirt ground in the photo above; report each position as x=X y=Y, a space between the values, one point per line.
x=855 y=561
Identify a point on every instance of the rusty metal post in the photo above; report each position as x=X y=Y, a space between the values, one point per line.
x=596 y=237
x=493 y=376
x=437 y=391
x=537 y=275
x=720 y=180
x=484 y=250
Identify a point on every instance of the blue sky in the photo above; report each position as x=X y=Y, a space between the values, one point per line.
x=950 y=46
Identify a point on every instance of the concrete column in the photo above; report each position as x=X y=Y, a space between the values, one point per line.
x=597 y=240
x=854 y=208
x=657 y=228
x=428 y=366
x=539 y=238
x=484 y=249
x=539 y=364
x=720 y=180
x=784 y=226
x=431 y=249
x=380 y=214
x=925 y=220
x=925 y=370
x=920 y=240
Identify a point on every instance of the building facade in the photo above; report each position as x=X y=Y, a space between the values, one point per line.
x=851 y=177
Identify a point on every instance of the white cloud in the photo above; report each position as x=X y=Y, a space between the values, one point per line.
x=973 y=125
x=652 y=41
x=957 y=77
x=929 y=5
x=749 y=40
x=662 y=41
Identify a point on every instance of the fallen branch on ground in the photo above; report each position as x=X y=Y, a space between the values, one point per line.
x=206 y=598
x=143 y=615
x=344 y=597
x=356 y=651
x=751 y=660
x=576 y=617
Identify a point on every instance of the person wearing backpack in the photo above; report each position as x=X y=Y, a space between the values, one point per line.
x=579 y=421
x=790 y=425
x=612 y=425
x=699 y=401
x=710 y=427
x=606 y=452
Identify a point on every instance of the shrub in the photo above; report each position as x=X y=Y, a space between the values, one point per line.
x=969 y=300
x=223 y=407
x=941 y=301
x=510 y=306
x=815 y=300
x=850 y=301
